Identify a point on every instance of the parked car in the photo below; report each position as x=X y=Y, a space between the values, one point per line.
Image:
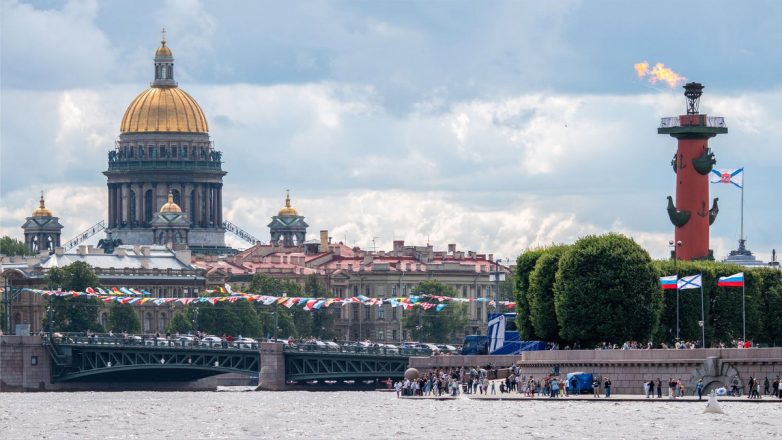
x=185 y=341
x=212 y=341
x=157 y=342
x=245 y=343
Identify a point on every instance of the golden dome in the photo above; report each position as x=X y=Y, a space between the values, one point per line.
x=164 y=109
x=42 y=211
x=170 y=206
x=163 y=50
x=287 y=210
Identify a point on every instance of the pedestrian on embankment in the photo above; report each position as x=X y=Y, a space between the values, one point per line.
x=699 y=389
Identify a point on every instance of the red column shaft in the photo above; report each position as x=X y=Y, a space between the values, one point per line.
x=692 y=194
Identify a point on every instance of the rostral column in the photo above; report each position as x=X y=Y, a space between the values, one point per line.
x=692 y=163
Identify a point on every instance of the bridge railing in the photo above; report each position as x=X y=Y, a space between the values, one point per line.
x=140 y=341
x=357 y=349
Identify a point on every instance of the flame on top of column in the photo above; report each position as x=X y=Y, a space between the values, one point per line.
x=658 y=72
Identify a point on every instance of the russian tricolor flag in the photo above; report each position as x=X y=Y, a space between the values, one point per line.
x=736 y=280
x=668 y=283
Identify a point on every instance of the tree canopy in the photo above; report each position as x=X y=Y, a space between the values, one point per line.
x=525 y=264
x=606 y=289
x=433 y=326
x=11 y=246
x=540 y=294
x=73 y=314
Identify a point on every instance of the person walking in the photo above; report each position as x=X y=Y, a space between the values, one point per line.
x=607 y=387
x=765 y=386
x=659 y=384
x=554 y=388
x=699 y=389
x=596 y=388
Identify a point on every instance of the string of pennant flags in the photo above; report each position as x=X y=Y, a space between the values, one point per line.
x=139 y=297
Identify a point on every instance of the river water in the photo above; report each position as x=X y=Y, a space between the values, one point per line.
x=361 y=415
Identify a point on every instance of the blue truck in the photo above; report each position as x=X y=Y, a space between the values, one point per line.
x=502 y=337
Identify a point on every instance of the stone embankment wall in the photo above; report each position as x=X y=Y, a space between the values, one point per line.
x=628 y=369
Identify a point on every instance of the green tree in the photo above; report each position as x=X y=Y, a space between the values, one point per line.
x=432 y=326
x=525 y=264
x=11 y=246
x=181 y=322
x=770 y=306
x=540 y=294
x=123 y=318
x=507 y=287
x=722 y=305
x=289 y=321
x=322 y=320
x=77 y=276
x=73 y=314
x=606 y=290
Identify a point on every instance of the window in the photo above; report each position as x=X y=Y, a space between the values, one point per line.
x=355 y=311
x=367 y=313
x=381 y=335
x=162 y=322
x=393 y=313
x=33 y=360
x=367 y=291
x=152 y=153
x=104 y=319
x=465 y=291
x=381 y=312
x=148 y=322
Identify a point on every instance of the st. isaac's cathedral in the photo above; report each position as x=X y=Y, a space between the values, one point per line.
x=164 y=152
x=165 y=177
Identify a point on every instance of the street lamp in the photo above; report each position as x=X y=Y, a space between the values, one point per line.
x=497 y=276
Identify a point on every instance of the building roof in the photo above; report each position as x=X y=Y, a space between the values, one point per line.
x=124 y=257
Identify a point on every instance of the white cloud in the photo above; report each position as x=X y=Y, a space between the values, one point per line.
x=49 y=48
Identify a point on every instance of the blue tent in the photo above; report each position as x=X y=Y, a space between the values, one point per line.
x=583 y=382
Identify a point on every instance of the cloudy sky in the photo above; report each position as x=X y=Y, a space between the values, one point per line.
x=498 y=126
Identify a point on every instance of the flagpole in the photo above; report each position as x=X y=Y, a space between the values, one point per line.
x=742 y=206
x=743 y=308
x=677 y=310
x=703 y=318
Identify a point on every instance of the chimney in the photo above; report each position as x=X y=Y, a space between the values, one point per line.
x=145 y=251
x=399 y=244
x=452 y=248
x=491 y=257
x=324 y=241
x=81 y=250
x=59 y=251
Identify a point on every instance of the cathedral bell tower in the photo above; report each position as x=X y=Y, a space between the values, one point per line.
x=42 y=230
x=288 y=228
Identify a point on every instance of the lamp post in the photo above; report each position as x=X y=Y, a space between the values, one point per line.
x=50 y=316
x=497 y=276
x=674 y=253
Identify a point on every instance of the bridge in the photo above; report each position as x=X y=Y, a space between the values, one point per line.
x=121 y=359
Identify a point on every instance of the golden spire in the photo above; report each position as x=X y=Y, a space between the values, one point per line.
x=170 y=206
x=42 y=211
x=288 y=211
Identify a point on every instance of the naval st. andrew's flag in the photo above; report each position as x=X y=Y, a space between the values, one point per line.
x=732 y=176
x=690 y=282
x=668 y=283
x=736 y=280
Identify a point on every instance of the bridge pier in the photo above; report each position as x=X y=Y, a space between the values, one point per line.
x=24 y=364
x=272 y=374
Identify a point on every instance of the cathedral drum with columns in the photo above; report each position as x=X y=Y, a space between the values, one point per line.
x=164 y=150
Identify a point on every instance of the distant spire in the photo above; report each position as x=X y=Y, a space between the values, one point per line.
x=163 y=36
x=287 y=198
